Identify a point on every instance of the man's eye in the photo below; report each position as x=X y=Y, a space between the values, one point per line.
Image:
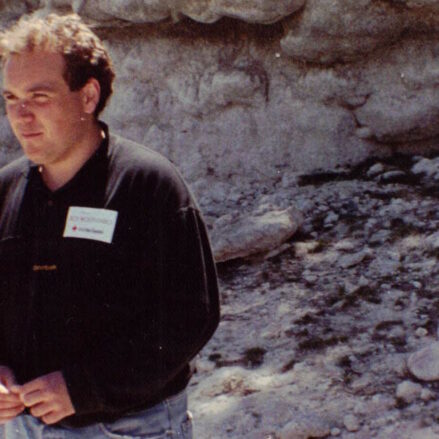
x=9 y=98
x=40 y=98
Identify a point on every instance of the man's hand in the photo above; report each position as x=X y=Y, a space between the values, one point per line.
x=10 y=403
x=47 y=397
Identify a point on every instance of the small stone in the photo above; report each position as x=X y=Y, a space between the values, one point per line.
x=432 y=241
x=331 y=218
x=351 y=423
x=427 y=395
x=308 y=426
x=204 y=365
x=348 y=261
x=345 y=245
x=380 y=237
x=397 y=363
x=364 y=384
x=382 y=403
x=424 y=364
x=371 y=225
x=363 y=281
x=421 y=332
x=392 y=176
x=335 y=432
x=376 y=169
x=311 y=278
x=397 y=334
x=408 y=391
x=425 y=167
x=349 y=287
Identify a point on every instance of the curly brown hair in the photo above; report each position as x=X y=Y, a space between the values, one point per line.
x=84 y=54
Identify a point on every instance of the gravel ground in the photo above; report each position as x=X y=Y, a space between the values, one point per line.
x=314 y=341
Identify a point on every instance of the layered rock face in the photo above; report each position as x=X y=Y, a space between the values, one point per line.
x=243 y=95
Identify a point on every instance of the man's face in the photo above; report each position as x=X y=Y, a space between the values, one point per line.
x=43 y=113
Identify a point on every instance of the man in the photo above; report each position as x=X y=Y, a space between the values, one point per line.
x=107 y=283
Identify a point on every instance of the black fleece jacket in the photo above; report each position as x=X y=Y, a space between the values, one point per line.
x=121 y=320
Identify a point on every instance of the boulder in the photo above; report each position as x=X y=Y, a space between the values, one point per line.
x=330 y=31
x=205 y=11
x=249 y=235
x=424 y=364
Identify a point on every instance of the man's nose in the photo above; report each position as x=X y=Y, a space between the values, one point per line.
x=23 y=110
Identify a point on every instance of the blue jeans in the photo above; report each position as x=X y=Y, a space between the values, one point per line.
x=169 y=419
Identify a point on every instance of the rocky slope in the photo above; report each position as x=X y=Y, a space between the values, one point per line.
x=314 y=341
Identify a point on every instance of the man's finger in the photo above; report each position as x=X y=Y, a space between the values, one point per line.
x=41 y=410
x=12 y=412
x=10 y=404
x=53 y=417
x=9 y=397
x=8 y=414
x=32 y=398
x=31 y=386
x=15 y=388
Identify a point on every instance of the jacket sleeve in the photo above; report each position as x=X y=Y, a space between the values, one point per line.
x=143 y=354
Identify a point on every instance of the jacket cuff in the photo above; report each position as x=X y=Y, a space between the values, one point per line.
x=81 y=390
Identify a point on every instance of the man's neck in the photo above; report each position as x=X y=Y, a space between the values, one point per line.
x=58 y=174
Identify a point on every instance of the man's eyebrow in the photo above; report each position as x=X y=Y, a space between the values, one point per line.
x=43 y=86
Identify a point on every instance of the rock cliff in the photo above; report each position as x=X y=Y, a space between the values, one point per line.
x=244 y=95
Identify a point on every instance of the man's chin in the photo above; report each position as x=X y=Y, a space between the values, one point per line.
x=34 y=156
x=31 y=148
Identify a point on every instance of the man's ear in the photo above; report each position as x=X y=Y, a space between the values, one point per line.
x=90 y=94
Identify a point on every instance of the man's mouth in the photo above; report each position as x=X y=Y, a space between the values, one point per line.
x=30 y=135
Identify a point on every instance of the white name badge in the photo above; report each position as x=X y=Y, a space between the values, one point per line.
x=90 y=223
